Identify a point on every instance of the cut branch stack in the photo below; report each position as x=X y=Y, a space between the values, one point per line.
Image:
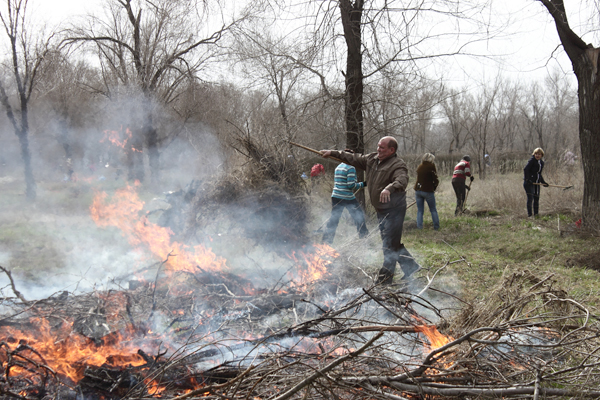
x=532 y=340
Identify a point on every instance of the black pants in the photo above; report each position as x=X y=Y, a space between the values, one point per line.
x=391 y=223
x=533 y=198
x=337 y=208
x=460 y=190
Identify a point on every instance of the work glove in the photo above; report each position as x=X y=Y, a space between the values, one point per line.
x=468 y=188
x=471 y=177
x=365 y=183
x=545 y=184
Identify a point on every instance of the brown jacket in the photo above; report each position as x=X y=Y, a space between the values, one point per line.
x=390 y=174
x=427 y=179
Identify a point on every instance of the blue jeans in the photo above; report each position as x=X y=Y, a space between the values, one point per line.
x=428 y=197
x=337 y=208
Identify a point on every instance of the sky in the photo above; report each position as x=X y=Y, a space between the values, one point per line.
x=525 y=49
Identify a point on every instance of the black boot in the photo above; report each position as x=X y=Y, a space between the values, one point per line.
x=384 y=277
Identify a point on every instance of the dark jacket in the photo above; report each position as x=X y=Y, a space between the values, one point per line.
x=427 y=179
x=533 y=171
x=390 y=174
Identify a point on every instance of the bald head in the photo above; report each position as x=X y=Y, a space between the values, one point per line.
x=386 y=147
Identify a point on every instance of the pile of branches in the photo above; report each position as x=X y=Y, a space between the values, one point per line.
x=529 y=339
x=264 y=199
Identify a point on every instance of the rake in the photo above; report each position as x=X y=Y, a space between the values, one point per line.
x=313 y=151
x=557 y=186
x=464 y=204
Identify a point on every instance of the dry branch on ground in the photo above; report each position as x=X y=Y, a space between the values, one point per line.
x=528 y=339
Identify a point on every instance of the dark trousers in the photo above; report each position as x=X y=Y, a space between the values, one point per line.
x=391 y=223
x=337 y=208
x=533 y=198
x=460 y=190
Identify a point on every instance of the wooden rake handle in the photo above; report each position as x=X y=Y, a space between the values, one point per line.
x=557 y=186
x=314 y=151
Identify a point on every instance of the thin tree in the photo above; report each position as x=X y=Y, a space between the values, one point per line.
x=64 y=101
x=26 y=55
x=585 y=59
x=453 y=107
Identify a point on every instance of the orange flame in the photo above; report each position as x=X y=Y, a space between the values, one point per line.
x=68 y=353
x=315 y=263
x=124 y=212
x=119 y=138
x=436 y=339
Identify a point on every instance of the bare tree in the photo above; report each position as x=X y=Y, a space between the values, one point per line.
x=454 y=109
x=27 y=53
x=153 y=47
x=561 y=108
x=480 y=124
x=534 y=112
x=65 y=101
x=271 y=62
x=384 y=38
x=585 y=58
x=506 y=116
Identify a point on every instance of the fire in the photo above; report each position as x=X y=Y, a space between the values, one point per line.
x=436 y=339
x=125 y=212
x=119 y=138
x=315 y=263
x=65 y=352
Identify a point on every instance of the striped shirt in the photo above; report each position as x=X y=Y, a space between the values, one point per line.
x=462 y=170
x=345 y=182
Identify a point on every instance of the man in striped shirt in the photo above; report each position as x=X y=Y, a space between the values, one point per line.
x=343 y=197
x=462 y=170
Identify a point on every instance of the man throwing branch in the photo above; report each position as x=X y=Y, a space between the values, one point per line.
x=387 y=179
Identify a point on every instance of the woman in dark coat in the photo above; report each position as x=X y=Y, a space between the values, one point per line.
x=532 y=181
x=427 y=182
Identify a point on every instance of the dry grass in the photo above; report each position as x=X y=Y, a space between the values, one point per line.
x=505 y=194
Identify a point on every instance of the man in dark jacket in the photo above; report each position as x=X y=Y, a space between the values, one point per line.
x=386 y=175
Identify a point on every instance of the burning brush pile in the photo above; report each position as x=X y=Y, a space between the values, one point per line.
x=188 y=327
x=206 y=335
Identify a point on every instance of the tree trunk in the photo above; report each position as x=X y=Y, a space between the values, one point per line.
x=153 y=154
x=351 y=13
x=31 y=187
x=351 y=21
x=585 y=59
x=589 y=135
x=65 y=142
x=135 y=156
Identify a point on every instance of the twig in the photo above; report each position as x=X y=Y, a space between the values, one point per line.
x=12 y=285
x=430 y=280
x=213 y=387
x=328 y=368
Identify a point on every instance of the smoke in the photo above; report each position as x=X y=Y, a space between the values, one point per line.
x=53 y=245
